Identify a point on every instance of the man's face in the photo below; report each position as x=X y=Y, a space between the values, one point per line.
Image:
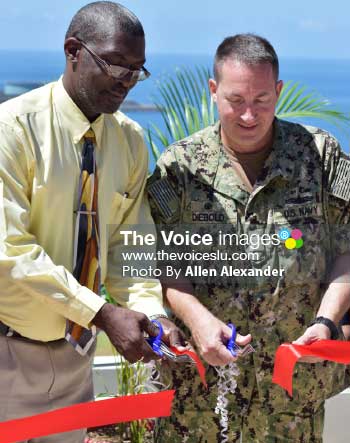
x=94 y=91
x=246 y=97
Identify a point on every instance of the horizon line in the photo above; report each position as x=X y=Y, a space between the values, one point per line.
x=189 y=54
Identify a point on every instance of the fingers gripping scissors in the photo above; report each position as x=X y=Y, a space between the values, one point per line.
x=160 y=348
x=234 y=348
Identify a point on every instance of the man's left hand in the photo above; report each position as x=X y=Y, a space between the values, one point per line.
x=313 y=333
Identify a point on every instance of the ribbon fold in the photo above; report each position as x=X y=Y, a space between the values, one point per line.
x=288 y=354
x=196 y=359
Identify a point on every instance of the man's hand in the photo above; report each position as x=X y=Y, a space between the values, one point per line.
x=313 y=333
x=211 y=336
x=125 y=329
x=209 y=333
x=173 y=336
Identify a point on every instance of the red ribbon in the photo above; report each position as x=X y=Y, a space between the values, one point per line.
x=84 y=415
x=287 y=355
x=196 y=359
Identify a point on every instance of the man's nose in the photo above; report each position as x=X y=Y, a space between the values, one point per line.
x=249 y=115
x=128 y=81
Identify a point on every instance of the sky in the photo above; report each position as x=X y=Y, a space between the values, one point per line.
x=297 y=28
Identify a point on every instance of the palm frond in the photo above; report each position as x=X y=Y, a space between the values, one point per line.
x=296 y=102
x=154 y=149
x=186 y=106
x=289 y=95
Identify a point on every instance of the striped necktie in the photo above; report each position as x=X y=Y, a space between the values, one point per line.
x=86 y=264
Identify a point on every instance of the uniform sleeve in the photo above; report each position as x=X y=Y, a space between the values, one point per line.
x=166 y=194
x=25 y=266
x=126 y=281
x=339 y=200
x=165 y=190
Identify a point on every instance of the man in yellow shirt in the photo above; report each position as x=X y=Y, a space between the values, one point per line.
x=41 y=140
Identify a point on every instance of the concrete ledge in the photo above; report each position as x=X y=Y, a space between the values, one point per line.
x=104 y=374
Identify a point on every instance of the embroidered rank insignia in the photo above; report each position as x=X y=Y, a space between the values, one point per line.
x=341 y=184
x=164 y=197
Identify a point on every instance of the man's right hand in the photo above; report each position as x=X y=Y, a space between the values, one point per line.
x=125 y=329
x=211 y=335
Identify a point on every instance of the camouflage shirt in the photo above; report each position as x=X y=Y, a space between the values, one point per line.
x=305 y=186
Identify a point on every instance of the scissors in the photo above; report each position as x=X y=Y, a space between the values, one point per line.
x=234 y=348
x=160 y=348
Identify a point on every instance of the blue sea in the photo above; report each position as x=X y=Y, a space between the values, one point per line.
x=330 y=78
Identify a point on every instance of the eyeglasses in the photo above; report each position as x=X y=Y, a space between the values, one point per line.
x=118 y=72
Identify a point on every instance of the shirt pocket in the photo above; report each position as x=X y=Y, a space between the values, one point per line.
x=302 y=251
x=120 y=207
x=204 y=211
x=205 y=206
x=213 y=217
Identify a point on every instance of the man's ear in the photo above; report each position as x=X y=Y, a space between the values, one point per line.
x=279 y=87
x=212 y=87
x=72 y=48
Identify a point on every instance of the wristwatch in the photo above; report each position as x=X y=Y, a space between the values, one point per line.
x=330 y=325
x=156 y=316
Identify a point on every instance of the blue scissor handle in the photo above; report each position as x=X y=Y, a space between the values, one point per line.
x=155 y=342
x=231 y=344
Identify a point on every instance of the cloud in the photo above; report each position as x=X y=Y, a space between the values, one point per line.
x=310 y=24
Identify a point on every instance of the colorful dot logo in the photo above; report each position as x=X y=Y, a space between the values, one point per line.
x=284 y=234
x=293 y=239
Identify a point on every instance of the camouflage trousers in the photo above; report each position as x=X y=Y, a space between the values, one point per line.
x=194 y=419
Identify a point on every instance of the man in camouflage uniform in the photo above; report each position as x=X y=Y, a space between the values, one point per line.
x=252 y=173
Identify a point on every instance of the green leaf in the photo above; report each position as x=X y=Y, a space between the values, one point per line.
x=154 y=150
x=178 y=101
x=186 y=106
x=161 y=136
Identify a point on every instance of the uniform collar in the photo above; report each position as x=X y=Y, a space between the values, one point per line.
x=281 y=161
x=71 y=117
x=210 y=166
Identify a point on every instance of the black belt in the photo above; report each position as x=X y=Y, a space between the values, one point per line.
x=9 y=332
x=6 y=330
x=3 y=329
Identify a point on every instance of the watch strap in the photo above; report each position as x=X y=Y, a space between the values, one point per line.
x=330 y=325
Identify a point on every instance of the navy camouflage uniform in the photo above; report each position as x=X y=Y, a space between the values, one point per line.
x=305 y=184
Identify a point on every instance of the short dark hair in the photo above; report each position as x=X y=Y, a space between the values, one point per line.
x=98 y=21
x=249 y=49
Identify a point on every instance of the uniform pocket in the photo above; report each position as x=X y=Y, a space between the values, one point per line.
x=211 y=212
x=302 y=251
x=307 y=213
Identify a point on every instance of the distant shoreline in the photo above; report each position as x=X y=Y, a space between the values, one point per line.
x=131 y=105
x=14 y=89
x=127 y=105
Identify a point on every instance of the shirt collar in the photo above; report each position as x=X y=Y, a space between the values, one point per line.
x=71 y=117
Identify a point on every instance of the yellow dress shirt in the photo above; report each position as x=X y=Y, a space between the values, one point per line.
x=40 y=154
